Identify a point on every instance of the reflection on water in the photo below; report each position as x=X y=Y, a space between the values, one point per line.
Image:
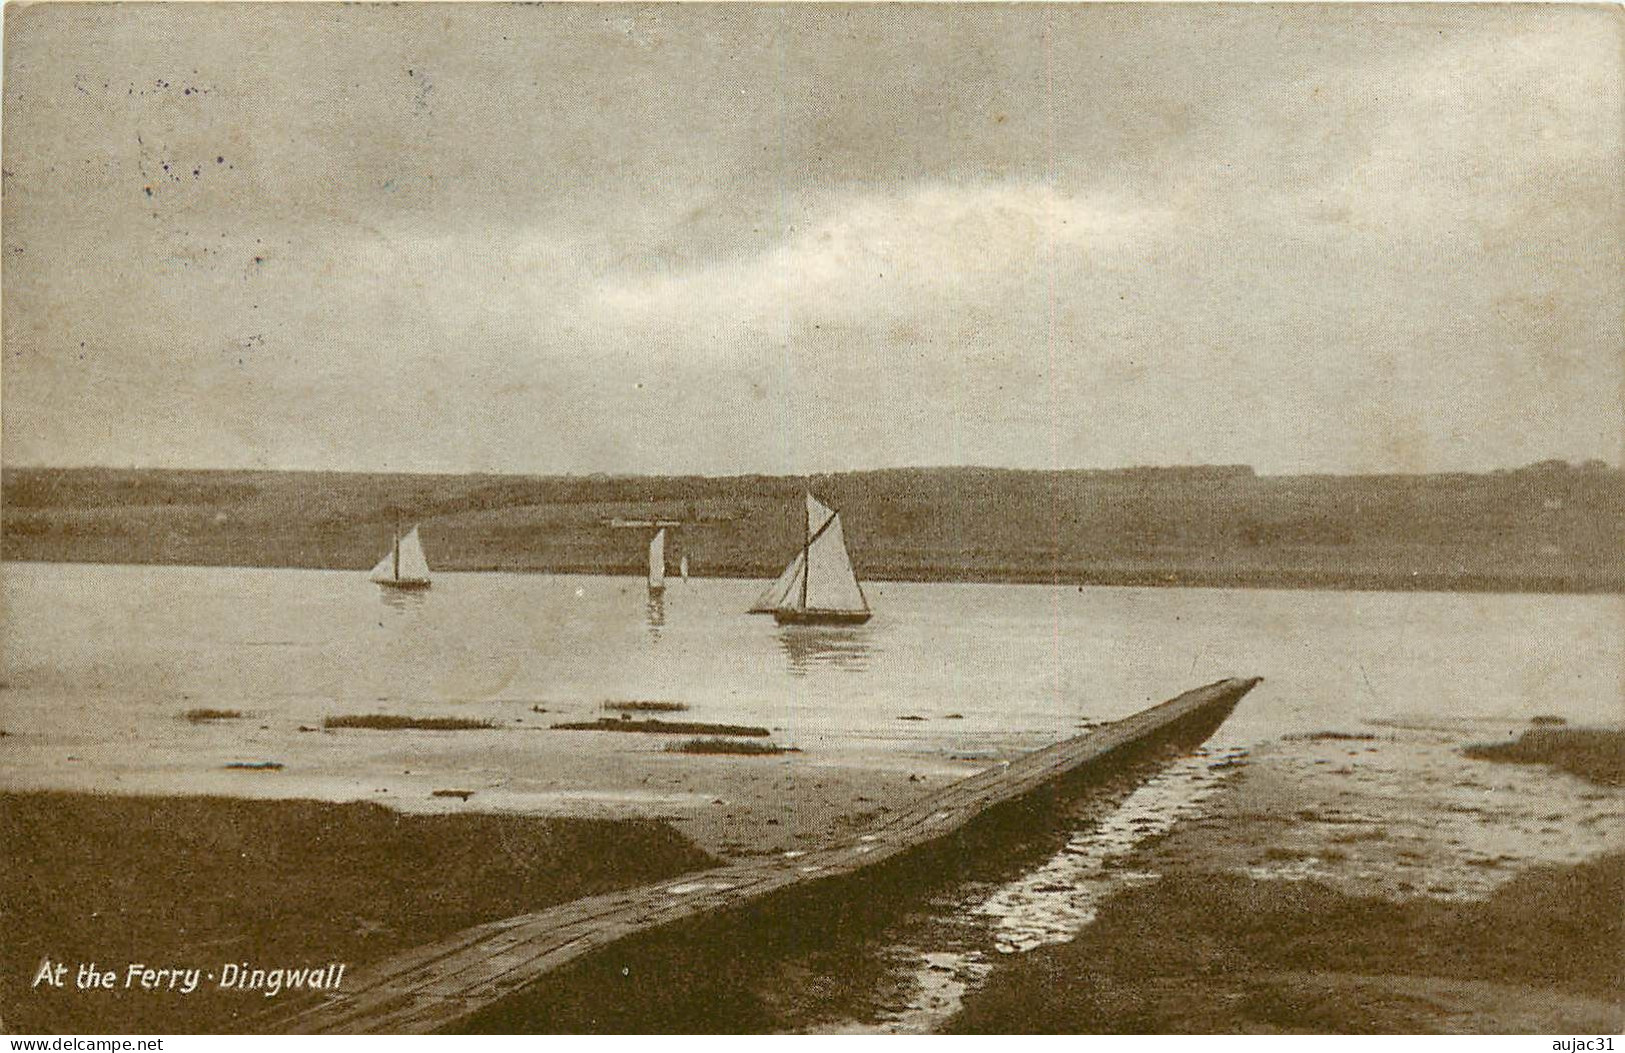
x=1050 y=904
x=654 y=613
x=848 y=647
x=1053 y=902
x=403 y=599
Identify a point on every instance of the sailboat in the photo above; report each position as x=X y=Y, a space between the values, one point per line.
x=819 y=586
x=682 y=566
x=657 y=562
x=403 y=566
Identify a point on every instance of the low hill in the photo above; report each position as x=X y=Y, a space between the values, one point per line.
x=1548 y=527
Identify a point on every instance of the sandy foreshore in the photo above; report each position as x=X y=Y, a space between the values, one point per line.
x=730 y=806
x=1291 y=902
x=364 y=843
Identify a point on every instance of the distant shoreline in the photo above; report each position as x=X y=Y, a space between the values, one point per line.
x=1548 y=528
x=1284 y=581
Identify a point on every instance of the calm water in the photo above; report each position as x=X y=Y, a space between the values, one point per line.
x=1021 y=663
x=100 y=660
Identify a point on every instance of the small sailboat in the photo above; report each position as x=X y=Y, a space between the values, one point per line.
x=682 y=566
x=819 y=586
x=403 y=566
x=657 y=562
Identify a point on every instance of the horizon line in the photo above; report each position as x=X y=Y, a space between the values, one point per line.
x=1552 y=464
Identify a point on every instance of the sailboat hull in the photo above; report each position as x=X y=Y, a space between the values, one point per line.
x=406 y=584
x=793 y=617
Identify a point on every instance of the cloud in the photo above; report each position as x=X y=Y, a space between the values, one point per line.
x=883 y=259
x=721 y=239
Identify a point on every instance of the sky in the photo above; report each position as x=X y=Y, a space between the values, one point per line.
x=793 y=239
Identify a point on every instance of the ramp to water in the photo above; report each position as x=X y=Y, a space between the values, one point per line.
x=436 y=986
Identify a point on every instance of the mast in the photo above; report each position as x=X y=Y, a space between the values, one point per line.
x=806 y=548
x=397 y=550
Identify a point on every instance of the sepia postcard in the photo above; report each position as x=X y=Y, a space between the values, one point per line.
x=812 y=519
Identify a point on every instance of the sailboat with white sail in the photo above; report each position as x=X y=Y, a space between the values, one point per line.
x=819 y=586
x=404 y=565
x=657 y=562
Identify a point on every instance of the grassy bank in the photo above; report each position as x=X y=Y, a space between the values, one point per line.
x=1220 y=953
x=645 y=707
x=396 y=722
x=655 y=726
x=200 y=882
x=1545 y=528
x=1597 y=754
x=730 y=747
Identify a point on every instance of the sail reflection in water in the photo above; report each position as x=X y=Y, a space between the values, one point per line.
x=654 y=612
x=406 y=600
x=847 y=648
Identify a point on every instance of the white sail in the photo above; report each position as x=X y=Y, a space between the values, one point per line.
x=385 y=570
x=827 y=583
x=791 y=600
x=774 y=594
x=657 y=560
x=414 y=566
x=682 y=566
x=818 y=514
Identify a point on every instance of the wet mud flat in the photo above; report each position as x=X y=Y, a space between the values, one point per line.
x=826 y=955
x=1372 y=882
x=1224 y=954
x=1389 y=881
x=206 y=882
x=1359 y=881
x=503 y=757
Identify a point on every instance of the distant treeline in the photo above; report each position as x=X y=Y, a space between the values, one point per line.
x=1548 y=527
